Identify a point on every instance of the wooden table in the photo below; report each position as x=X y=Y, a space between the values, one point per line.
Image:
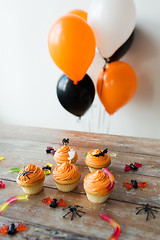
x=23 y=145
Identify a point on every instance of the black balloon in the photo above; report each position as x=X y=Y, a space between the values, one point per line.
x=76 y=99
x=122 y=50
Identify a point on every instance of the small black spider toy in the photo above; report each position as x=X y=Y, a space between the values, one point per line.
x=75 y=209
x=101 y=153
x=149 y=209
x=24 y=173
x=65 y=141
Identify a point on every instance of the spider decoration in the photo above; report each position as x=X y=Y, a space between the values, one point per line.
x=134 y=184
x=132 y=166
x=149 y=209
x=65 y=141
x=101 y=153
x=12 y=228
x=75 y=209
x=24 y=173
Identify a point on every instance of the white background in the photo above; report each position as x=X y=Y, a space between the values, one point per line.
x=28 y=76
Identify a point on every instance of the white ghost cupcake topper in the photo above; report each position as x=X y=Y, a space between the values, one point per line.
x=71 y=154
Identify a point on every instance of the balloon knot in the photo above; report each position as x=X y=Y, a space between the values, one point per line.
x=75 y=82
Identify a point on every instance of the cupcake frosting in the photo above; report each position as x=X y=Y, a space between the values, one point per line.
x=62 y=154
x=65 y=171
x=97 y=182
x=91 y=160
x=31 y=173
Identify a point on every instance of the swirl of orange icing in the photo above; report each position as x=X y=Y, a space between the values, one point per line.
x=62 y=155
x=31 y=173
x=65 y=171
x=97 y=182
x=93 y=161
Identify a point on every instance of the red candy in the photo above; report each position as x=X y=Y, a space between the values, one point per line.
x=21 y=227
x=61 y=202
x=2 y=185
x=4 y=228
x=47 y=200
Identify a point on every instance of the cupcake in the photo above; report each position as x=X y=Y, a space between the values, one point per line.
x=65 y=154
x=97 y=159
x=31 y=179
x=98 y=185
x=66 y=176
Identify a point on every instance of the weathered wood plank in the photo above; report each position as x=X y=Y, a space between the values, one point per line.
x=82 y=139
x=149 y=194
x=43 y=221
x=21 y=152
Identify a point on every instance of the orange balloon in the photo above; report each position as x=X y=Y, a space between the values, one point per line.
x=72 y=46
x=116 y=86
x=80 y=13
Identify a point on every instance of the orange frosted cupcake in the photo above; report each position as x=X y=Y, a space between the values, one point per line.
x=31 y=179
x=66 y=176
x=97 y=159
x=65 y=154
x=98 y=185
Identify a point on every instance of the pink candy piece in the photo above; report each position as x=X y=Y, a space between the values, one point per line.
x=113 y=223
x=111 y=186
x=2 y=185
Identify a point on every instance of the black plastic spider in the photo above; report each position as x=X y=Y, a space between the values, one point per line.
x=73 y=210
x=24 y=174
x=65 y=141
x=149 y=209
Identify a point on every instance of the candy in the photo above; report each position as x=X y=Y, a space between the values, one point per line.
x=54 y=202
x=47 y=169
x=115 y=225
x=132 y=166
x=12 y=200
x=2 y=185
x=50 y=150
x=106 y=171
x=134 y=184
x=1 y=158
x=12 y=228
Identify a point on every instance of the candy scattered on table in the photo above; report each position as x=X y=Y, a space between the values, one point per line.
x=50 y=150
x=12 y=228
x=12 y=200
x=106 y=171
x=134 y=184
x=132 y=166
x=115 y=225
x=1 y=158
x=2 y=185
x=149 y=209
x=47 y=169
x=54 y=202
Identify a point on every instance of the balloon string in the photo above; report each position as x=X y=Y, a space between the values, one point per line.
x=99 y=118
x=109 y=124
x=103 y=118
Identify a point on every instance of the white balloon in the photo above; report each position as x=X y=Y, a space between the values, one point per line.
x=112 y=21
x=95 y=68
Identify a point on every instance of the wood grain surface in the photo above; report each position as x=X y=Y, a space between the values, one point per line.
x=24 y=145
